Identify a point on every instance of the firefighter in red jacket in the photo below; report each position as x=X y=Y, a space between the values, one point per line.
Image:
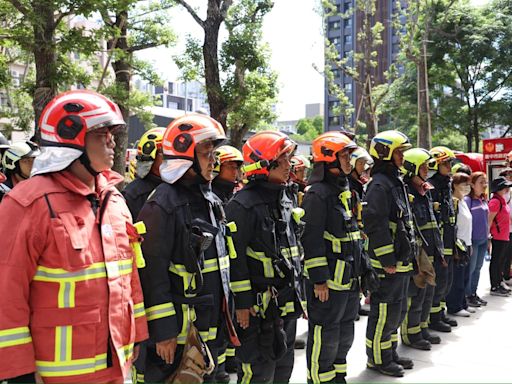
x=70 y=295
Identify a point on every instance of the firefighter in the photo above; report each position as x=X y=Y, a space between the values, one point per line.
x=149 y=158
x=362 y=164
x=186 y=278
x=229 y=160
x=441 y=166
x=71 y=300
x=227 y=172
x=333 y=247
x=267 y=273
x=413 y=330
x=387 y=223
x=17 y=163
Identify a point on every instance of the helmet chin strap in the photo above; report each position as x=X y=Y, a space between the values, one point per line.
x=197 y=169
x=86 y=162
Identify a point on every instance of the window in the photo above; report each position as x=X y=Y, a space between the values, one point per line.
x=348 y=22
x=347 y=39
x=348 y=87
x=336 y=73
x=334 y=120
x=333 y=105
x=334 y=25
x=335 y=40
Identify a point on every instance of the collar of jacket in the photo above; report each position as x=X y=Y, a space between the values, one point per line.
x=153 y=179
x=104 y=181
x=270 y=192
x=223 y=188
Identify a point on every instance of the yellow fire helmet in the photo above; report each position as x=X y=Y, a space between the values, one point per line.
x=227 y=153
x=384 y=143
x=439 y=155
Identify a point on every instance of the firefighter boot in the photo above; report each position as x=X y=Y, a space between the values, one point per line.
x=389 y=369
x=433 y=339
x=403 y=361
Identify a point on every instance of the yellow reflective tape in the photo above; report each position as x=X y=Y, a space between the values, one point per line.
x=315 y=262
x=339 y=271
x=336 y=243
x=159 y=311
x=119 y=267
x=384 y=250
x=340 y=368
x=125 y=352
x=400 y=267
x=210 y=265
x=240 y=286
x=377 y=337
x=58 y=275
x=340 y=287
x=394 y=337
x=290 y=252
x=414 y=330
x=138 y=310
x=71 y=367
x=230 y=352
x=289 y=307
x=436 y=309
x=247 y=373
x=66 y=295
x=268 y=268
x=448 y=252
x=327 y=376
x=315 y=355
x=210 y=334
x=14 y=336
x=405 y=323
x=392 y=227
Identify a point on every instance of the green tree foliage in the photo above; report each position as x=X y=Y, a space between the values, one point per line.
x=240 y=85
x=309 y=128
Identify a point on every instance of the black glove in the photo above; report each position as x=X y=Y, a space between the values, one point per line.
x=370 y=281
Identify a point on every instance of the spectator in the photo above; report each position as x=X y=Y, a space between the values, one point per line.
x=456 y=299
x=499 y=221
x=507 y=172
x=477 y=204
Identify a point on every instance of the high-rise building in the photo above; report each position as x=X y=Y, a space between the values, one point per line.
x=342 y=33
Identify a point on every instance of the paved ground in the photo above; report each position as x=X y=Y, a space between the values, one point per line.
x=477 y=351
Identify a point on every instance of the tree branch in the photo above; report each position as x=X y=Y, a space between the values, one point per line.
x=143 y=46
x=192 y=12
x=225 y=7
x=20 y=7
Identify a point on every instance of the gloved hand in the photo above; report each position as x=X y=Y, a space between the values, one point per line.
x=370 y=280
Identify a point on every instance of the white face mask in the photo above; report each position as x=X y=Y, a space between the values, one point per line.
x=465 y=189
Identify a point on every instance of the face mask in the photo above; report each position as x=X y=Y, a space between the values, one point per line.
x=465 y=189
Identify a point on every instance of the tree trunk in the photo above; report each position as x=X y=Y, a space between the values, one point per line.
x=44 y=58
x=237 y=136
x=424 y=136
x=123 y=73
x=211 y=69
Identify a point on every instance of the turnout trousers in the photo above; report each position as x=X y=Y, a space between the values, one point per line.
x=444 y=279
x=330 y=334
x=253 y=367
x=427 y=305
x=410 y=330
x=388 y=308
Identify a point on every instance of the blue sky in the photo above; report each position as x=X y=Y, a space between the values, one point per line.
x=293 y=30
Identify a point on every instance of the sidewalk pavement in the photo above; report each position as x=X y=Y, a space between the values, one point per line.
x=476 y=351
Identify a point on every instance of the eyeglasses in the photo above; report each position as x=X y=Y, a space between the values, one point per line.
x=106 y=132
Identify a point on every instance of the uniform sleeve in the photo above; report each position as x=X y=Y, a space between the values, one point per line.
x=21 y=243
x=239 y=271
x=157 y=250
x=494 y=205
x=376 y=221
x=313 y=242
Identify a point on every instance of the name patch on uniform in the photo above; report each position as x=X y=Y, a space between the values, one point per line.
x=106 y=230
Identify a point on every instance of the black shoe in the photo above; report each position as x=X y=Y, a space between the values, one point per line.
x=499 y=291
x=481 y=301
x=450 y=322
x=474 y=302
x=432 y=339
x=440 y=327
x=300 y=344
x=390 y=369
x=423 y=345
x=222 y=377
x=405 y=362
